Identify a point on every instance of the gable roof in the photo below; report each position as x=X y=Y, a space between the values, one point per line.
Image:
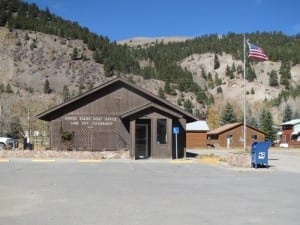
x=199 y=125
x=228 y=127
x=147 y=106
x=91 y=95
x=292 y=122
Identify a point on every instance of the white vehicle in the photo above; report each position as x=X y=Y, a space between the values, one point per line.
x=8 y=143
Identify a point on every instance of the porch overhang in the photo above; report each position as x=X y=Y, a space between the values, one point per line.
x=149 y=106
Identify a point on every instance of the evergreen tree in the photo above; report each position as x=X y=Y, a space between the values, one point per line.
x=252 y=122
x=218 y=81
x=66 y=93
x=188 y=106
x=266 y=125
x=161 y=93
x=2 y=89
x=14 y=127
x=47 y=89
x=179 y=102
x=273 y=81
x=251 y=75
x=74 y=54
x=216 y=62
x=228 y=71
x=228 y=116
x=167 y=87
x=285 y=74
x=8 y=89
x=81 y=87
x=287 y=114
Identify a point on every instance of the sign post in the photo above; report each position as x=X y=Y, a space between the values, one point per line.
x=176 y=132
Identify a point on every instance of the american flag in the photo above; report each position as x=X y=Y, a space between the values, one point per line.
x=257 y=52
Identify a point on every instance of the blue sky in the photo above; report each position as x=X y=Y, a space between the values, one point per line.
x=125 y=19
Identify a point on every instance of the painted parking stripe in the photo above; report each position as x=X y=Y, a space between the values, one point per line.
x=181 y=161
x=4 y=160
x=89 y=160
x=43 y=160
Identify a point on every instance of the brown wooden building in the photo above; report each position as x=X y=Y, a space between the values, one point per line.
x=231 y=136
x=196 y=134
x=119 y=115
x=289 y=136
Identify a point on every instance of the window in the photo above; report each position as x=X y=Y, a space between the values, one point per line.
x=161 y=131
x=254 y=137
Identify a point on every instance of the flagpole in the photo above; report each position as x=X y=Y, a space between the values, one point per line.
x=244 y=105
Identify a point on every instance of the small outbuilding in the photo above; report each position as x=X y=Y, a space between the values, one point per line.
x=232 y=136
x=289 y=135
x=196 y=134
x=119 y=115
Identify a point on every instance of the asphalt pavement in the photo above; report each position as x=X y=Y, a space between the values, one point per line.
x=146 y=192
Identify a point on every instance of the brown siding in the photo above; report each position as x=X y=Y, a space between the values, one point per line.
x=96 y=125
x=196 y=139
x=237 y=136
x=286 y=137
x=106 y=119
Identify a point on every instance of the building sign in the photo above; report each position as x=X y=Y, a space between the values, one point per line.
x=91 y=120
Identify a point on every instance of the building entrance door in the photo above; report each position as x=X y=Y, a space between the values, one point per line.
x=141 y=141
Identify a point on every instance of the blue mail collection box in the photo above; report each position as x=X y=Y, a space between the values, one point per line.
x=259 y=153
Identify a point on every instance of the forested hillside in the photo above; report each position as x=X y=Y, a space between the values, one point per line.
x=201 y=75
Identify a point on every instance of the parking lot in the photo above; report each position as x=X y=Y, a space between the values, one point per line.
x=147 y=192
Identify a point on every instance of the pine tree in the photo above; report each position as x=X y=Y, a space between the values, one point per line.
x=273 y=81
x=66 y=93
x=47 y=89
x=15 y=127
x=228 y=115
x=161 y=93
x=216 y=62
x=74 y=54
x=266 y=125
x=167 y=87
x=287 y=114
x=8 y=89
x=188 y=106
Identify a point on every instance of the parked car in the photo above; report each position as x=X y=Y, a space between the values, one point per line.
x=8 y=143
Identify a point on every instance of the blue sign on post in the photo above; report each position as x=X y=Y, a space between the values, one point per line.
x=175 y=130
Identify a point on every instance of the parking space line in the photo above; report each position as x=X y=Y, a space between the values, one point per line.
x=180 y=161
x=4 y=160
x=89 y=160
x=43 y=160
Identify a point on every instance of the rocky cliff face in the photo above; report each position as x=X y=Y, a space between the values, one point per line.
x=28 y=59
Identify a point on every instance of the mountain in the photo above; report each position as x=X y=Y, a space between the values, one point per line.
x=44 y=60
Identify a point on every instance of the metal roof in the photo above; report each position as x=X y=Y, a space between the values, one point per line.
x=292 y=122
x=200 y=125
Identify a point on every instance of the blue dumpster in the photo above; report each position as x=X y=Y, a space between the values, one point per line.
x=259 y=153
